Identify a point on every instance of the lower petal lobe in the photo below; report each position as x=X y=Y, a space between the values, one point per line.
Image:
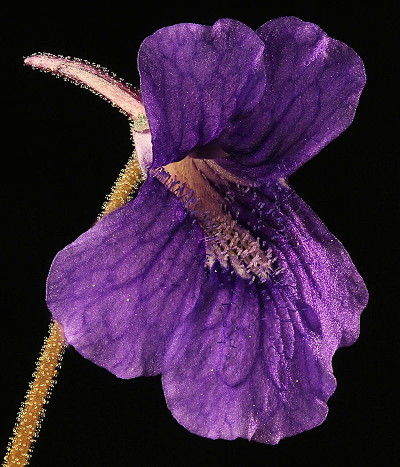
x=253 y=360
x=120 y=288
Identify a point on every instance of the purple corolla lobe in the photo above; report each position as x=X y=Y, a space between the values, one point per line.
x=208 y=77
x=217 y=275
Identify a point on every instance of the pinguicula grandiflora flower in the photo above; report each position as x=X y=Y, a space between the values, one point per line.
x=217 y=275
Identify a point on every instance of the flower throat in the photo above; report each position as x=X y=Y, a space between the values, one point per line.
x=226 y=241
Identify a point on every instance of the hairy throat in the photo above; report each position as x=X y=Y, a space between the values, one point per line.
x=227 y=242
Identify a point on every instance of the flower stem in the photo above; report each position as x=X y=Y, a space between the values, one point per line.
x=127 y=181
x=32 y=410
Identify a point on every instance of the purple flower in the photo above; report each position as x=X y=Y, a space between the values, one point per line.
x=217 y=275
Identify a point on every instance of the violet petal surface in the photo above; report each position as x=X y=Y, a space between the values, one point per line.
x=194 y=79
x=313 y=86
x=254 y=360
x=121 y=287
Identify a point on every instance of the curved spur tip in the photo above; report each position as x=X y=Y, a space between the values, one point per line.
x=93 y=77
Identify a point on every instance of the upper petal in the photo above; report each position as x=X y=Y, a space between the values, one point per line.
x=313 y=87
x=119 y=289
x=194 y=79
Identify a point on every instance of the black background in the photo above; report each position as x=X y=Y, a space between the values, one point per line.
x=62 y=149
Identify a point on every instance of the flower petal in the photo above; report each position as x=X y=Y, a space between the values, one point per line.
x=120 y=287
x=194 y=79
x=315 y=266
x=313 y=87
x=254 y=360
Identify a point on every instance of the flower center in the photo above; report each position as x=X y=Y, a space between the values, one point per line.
x=227 y=242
